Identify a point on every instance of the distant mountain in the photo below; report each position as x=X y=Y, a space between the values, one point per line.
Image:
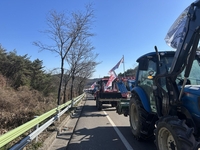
x=89 y=82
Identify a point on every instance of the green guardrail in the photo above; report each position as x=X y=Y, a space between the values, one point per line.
x=11 y=135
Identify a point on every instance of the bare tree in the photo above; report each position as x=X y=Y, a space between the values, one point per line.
x=83 y=75
x=79 y=58
x=64 y=31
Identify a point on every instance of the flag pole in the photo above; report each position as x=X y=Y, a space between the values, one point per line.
x=124 y=66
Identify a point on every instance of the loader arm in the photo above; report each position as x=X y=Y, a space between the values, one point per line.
x=186 y=48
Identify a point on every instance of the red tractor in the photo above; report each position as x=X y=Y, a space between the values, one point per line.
x=109 y=95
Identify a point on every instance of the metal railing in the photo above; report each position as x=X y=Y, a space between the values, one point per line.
x=11 y=135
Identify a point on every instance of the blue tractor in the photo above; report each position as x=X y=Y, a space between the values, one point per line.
x=165 y=100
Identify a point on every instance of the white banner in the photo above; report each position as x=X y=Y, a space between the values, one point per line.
x=177 y=31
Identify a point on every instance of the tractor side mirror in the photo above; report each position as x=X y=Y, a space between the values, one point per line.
x=150 y=75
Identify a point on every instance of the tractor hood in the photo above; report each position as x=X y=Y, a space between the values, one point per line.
x=193 y=89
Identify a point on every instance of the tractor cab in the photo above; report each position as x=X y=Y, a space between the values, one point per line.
x=149 y=67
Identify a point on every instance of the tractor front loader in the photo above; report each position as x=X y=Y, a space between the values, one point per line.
x=165 y=101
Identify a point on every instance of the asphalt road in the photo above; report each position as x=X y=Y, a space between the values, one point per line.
x=104 y=130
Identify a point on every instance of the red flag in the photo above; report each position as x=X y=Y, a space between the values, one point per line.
x=117 y=65
x=113 y=76
x=92 y=86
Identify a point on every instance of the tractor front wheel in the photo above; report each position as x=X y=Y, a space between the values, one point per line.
x=173 y=134
x=141 y=127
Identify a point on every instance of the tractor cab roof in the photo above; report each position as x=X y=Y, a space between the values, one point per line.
x=154 y=54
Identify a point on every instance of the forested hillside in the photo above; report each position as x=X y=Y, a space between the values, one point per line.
x=26 y=89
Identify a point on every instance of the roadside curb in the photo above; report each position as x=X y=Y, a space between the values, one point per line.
x=78 y=117
x=47 y=143
x=62 y=129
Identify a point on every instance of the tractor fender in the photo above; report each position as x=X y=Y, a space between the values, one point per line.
x=143 y=97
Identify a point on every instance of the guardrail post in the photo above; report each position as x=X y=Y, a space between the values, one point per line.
x=58 y=116
x=36 y=127
x=72 y=103
x=58 y=111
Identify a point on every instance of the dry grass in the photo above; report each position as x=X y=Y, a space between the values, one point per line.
x=22 y=105
x=18 y=107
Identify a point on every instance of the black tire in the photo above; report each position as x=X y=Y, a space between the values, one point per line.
x=173 y=134
x=117 y=108
x=113 y=104
x=141 y=126
x=98 y=104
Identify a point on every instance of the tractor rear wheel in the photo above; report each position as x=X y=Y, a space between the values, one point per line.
x=141 y=127
x=173 y=134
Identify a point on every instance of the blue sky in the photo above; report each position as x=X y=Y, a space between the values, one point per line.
x=122 y=27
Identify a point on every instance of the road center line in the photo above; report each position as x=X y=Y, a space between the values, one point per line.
x=125 y=142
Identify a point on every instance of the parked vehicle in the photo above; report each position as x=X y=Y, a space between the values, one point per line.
x=110 y=95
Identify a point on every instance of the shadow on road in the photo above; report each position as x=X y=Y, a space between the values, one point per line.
x=109 y=109
x=88 y=137
x=91 y=111
x=90 y=98
x=95 y=139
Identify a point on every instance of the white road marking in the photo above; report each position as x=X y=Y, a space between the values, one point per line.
x=126 y=144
